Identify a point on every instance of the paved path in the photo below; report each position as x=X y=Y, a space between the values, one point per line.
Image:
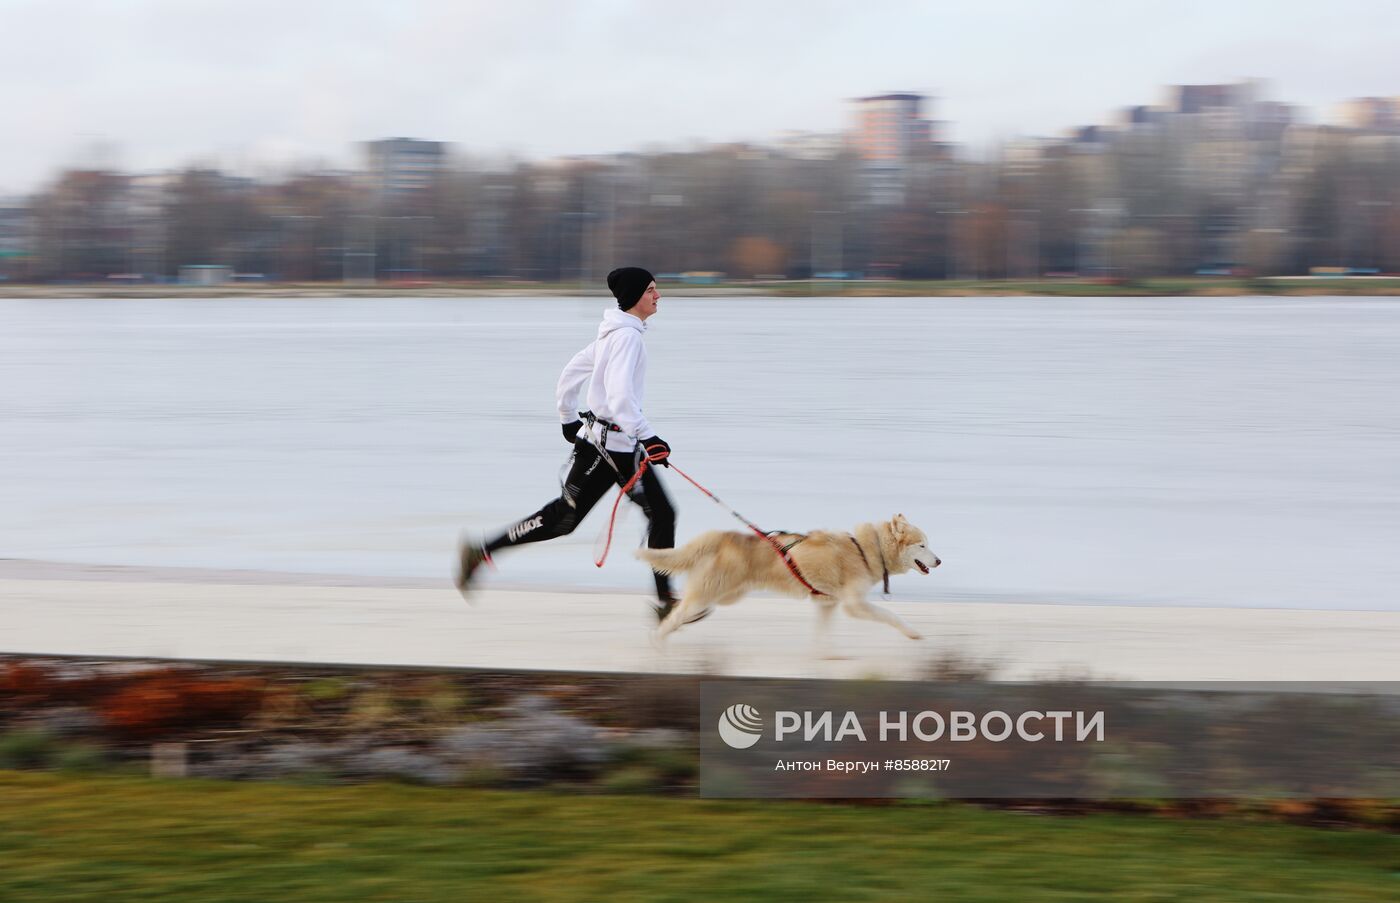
x=186 y=613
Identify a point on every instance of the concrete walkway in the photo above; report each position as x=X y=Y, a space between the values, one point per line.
x=229 y=615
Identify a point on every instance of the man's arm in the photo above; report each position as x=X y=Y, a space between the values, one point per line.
x=571 y=382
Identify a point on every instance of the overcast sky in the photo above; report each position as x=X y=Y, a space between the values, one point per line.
x=146 y=84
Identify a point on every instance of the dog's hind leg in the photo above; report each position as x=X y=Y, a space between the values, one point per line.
x=688 y=607
x=859 y=607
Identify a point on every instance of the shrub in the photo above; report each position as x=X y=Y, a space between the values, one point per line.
x=79 y=757
x=26 y=749
x=23 y=684
x=327 y=689
x=161 y=701
x=672 y=765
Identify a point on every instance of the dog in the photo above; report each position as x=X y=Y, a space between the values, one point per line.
x=723 y=566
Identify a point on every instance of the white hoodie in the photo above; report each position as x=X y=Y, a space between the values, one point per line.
x=612 y=370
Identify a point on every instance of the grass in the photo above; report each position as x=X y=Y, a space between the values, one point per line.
x=123 y=838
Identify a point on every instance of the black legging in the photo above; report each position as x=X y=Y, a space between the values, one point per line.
x=589 y=479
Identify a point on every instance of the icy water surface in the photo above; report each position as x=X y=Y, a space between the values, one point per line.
x=1222 y=452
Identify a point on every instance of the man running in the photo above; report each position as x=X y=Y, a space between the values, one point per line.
x=610 y=373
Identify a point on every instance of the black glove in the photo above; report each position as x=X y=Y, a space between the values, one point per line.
x=656 y=445
x=571 y=430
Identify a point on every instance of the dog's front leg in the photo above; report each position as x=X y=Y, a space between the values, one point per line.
x=826 y=606
x=857 y=606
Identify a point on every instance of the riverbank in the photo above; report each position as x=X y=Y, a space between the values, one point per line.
x=1185 y=286
x=254 y=616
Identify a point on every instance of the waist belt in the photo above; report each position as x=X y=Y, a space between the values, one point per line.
x=606 y=424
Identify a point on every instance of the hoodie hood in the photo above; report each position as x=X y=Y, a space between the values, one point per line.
x=614 y=319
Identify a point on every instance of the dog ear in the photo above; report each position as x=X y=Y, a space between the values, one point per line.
x=897 y=525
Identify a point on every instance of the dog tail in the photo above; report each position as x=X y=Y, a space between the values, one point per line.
x=677 y=561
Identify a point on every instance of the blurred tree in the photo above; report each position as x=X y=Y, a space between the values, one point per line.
x=1138 y=252
x=755 y=255
x=1265 y=252
x=81 y=230
x=987 y=234
x=212 y=219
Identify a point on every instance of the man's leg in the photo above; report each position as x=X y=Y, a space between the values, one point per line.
x=589 y=478
x=660 y=513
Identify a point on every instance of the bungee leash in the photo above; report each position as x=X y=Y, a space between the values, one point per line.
x=656 y=454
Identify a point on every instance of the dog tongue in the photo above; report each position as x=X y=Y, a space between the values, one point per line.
x=921 y=566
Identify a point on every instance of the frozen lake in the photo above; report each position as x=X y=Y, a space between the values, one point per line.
x=1215 y=452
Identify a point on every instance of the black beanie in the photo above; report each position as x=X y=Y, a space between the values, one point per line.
x=628 y=284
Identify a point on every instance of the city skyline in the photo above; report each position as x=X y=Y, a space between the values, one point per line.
x=255 y=85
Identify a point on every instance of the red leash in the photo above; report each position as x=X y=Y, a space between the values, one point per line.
x=660 y=454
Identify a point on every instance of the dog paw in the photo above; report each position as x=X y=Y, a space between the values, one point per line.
x=915 y=636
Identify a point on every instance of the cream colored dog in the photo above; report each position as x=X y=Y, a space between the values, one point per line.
x=724 y=566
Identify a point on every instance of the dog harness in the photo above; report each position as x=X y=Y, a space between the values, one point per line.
x=883 y=567
x=787 y=558
x=792 y=565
